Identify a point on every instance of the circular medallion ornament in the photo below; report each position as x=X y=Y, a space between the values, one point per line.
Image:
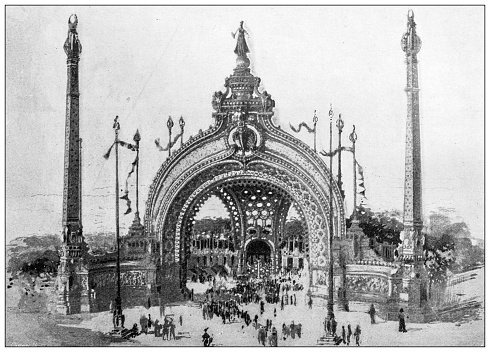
x=245 y=138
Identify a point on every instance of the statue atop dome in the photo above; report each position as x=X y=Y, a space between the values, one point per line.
x=241 y=48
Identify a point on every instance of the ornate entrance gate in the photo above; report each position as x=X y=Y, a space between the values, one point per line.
x=258 y=257
x=257 y=170
x=258 y=251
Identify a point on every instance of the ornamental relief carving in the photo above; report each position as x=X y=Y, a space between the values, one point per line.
x=310 y=175
x=133 y=278
x=184 y=164
x=307 y=153
x=84 y=282
x=367 y=284
x=154 y=190
x=104 y=279
x=128 y=278
x=245 y=139
x=321 y=279
x=294 y=157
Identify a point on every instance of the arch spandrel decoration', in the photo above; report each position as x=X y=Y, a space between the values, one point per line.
x=202 y=149
x=302 y=155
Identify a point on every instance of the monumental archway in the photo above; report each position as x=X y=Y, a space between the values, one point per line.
x=243 y=154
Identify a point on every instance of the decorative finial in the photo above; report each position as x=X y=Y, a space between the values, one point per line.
x=340 y=123
x=241 y=48
x=353 y=135
x=72 y=23
x=72 y=46
x=411 y=42
x=137 y=136
x=315 y=118
x=116 y=124
x=170 y=123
